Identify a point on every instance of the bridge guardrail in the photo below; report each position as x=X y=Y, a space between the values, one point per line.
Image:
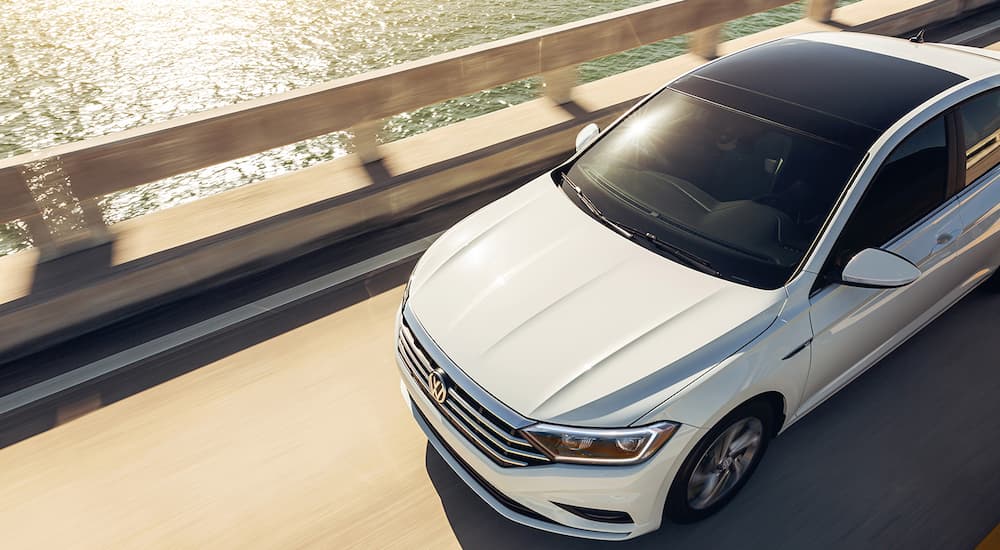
x=45 y=188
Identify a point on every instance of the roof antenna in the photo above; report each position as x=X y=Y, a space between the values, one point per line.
x=919 y=38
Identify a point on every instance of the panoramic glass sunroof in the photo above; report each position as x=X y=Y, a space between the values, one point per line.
x=842 y=94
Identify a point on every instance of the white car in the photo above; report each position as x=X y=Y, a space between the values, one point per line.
x=617 y=341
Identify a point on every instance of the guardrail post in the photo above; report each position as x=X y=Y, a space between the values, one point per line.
x=365 y=141
x=821 y=10
x=41 y=239
x=559 y=84
x=93 y=215
x=64 y=224
x=705 y=42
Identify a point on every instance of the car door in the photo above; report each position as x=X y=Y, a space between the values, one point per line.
x=906 y=210
x=978 y=121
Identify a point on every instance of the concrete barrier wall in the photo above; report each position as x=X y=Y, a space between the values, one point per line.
x=162 y=255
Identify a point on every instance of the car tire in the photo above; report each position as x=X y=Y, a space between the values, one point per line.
x=686 y=503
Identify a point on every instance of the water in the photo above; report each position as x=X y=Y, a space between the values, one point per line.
x=72 y=69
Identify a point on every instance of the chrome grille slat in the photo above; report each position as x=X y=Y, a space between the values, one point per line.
x=503 y=433
x=489 y=451
x=488 y=432
x=414 y=362
x=421 y=380
x=496 y=443
x=473 y=425
x=419 y=355
x=494 y=454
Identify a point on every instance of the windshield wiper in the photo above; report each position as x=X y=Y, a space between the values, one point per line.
x=595 y=210
x=683 y=256
x=686 y=257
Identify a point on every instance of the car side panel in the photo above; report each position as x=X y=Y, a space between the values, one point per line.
x=980 y=211
x=855 y=327
x=776 y=361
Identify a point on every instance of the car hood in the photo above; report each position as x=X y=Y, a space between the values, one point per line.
x=567 y=321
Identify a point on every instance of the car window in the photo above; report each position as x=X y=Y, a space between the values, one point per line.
x=980 y=117
x=743 y=194
x=911 y=183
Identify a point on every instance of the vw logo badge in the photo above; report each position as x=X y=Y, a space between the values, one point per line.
x=439 y=390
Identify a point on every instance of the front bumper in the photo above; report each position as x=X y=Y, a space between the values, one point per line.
x=528 y=495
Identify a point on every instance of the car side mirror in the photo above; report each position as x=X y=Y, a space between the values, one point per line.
x=876 y=268
x=586 y=135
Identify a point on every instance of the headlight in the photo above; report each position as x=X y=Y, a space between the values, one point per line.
x=596 y=446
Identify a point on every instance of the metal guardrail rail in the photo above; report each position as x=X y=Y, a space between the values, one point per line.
x=39 y=188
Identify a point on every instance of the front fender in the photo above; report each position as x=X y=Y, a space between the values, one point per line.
x=760 y=367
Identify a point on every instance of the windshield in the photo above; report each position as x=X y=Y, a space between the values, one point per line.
x=744 y=194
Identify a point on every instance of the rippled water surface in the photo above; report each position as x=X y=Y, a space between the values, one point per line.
x=74 y=69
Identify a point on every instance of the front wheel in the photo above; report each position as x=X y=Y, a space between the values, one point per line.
x=720 y=464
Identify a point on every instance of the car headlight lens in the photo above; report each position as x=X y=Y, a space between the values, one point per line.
x=598 y=446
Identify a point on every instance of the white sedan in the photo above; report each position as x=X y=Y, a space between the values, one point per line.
x=617 y=341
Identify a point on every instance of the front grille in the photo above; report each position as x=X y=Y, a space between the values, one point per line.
x=495 y=438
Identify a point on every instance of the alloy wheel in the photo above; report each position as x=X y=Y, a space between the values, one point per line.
x=726 y=461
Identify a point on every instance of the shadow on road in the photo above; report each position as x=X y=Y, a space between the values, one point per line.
x=905 y=457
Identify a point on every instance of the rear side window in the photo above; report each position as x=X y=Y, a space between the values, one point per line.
x=980 y=118
x=912 y=182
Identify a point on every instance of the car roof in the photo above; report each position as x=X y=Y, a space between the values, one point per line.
x=845 y=88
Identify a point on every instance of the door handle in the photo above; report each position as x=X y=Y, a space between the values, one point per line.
x=801 y=347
